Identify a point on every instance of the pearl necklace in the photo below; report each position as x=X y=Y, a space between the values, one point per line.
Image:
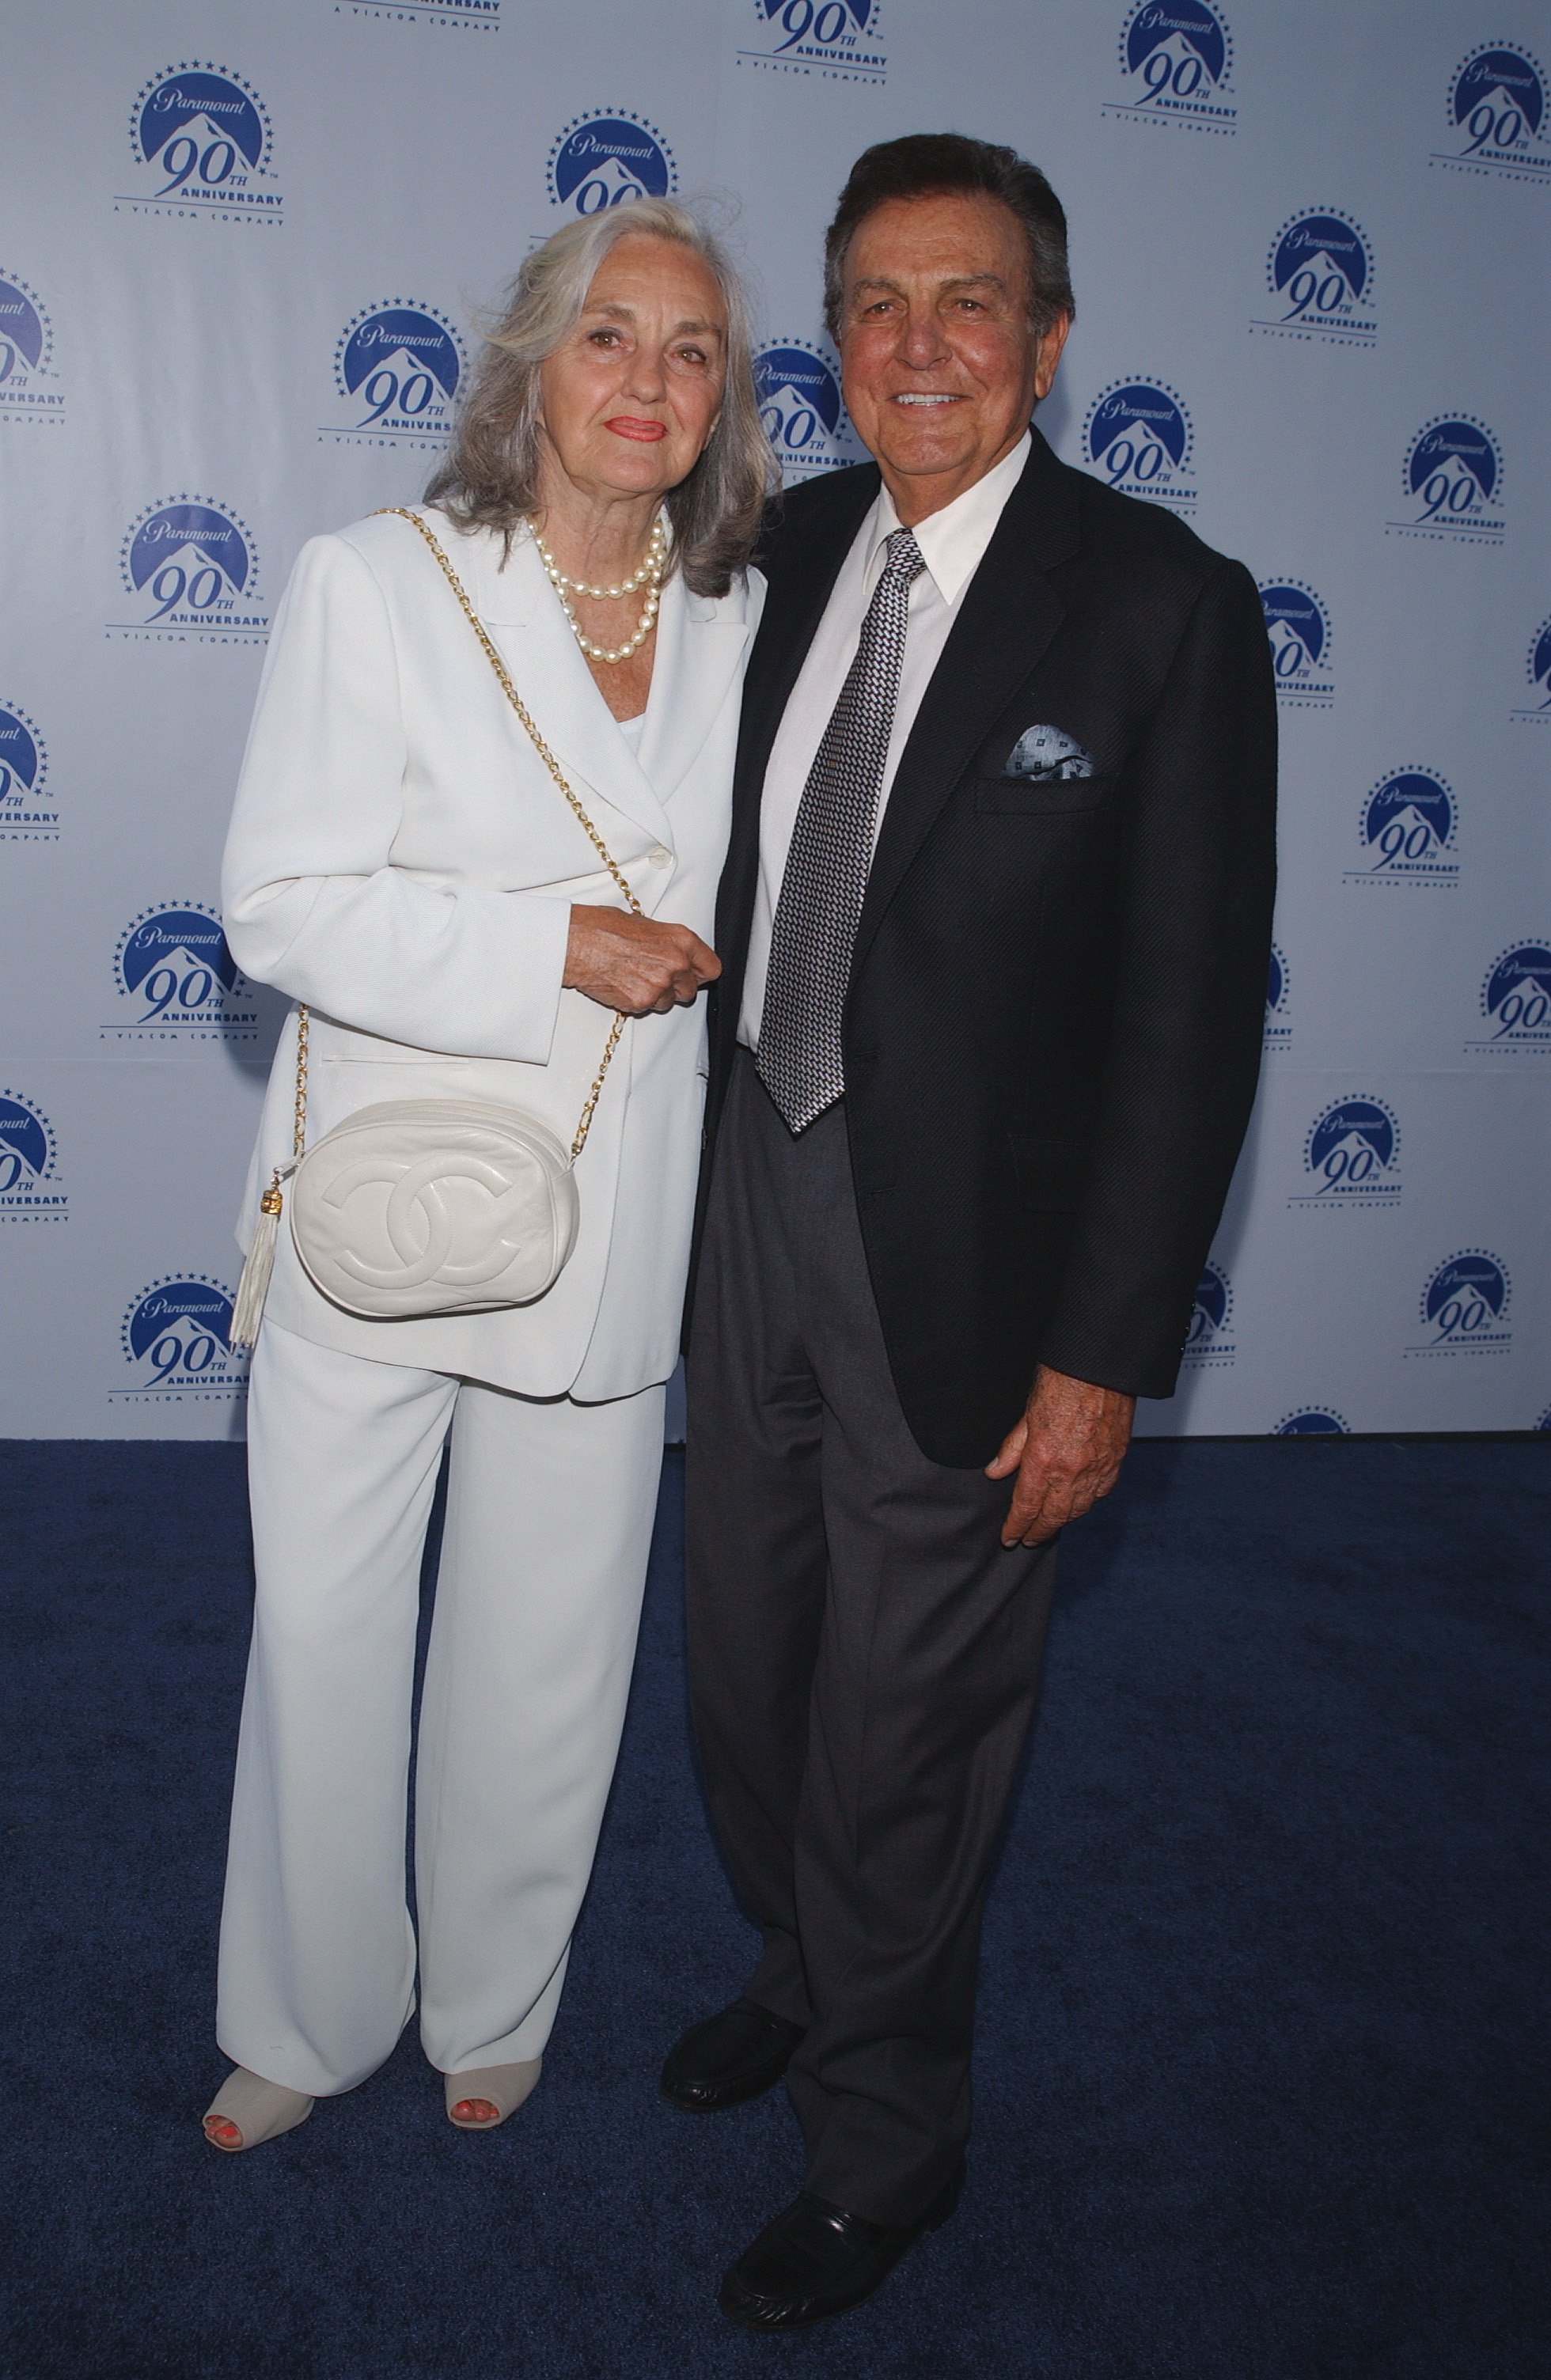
x=650 y=575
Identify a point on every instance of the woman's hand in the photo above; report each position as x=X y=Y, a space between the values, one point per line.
x=634 y=963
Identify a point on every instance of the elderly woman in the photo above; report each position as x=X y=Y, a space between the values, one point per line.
x=414 y=868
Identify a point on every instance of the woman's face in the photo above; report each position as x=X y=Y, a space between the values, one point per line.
x=628 y=401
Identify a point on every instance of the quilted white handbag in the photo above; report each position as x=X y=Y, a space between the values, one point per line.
x=427 y=1207
x=434 y=1207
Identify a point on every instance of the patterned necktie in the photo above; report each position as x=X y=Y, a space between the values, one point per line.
x=827 y=866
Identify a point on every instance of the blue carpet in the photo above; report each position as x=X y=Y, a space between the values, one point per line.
x=1262 y=2066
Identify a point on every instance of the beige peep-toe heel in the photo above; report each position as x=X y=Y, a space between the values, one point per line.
x=506 y=2087
x=259 y=2110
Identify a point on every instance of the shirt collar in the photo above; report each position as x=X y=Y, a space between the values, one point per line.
x=954 y=541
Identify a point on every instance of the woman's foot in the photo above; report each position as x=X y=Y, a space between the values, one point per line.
x=246 y=2110
x=486 y=2096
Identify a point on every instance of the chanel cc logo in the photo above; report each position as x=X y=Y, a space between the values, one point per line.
x=453 y=1220
x=422 y=1207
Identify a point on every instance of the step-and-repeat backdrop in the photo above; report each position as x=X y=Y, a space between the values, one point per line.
x=243 y=253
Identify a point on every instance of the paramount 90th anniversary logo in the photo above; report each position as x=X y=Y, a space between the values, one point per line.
x=31 y=1190
x=1516 y=1004
x=1279 y=1003
x=1176 y=67
x=1407 y=826
x=178 y=982
x=1464 y=1306
x=822 y=41
x=1209 y=1339
x=397 y=370
x=1496 y=117
x=1319 y=277
x=800 y=404
x=1452 y=484
x=175 y=1339
x=1537 y=671
x=201 y=143
x=1138 y=436
x=457 y=16
x=1299 y=627
x=27 y=809
x=1351 y=1157
x=30 y=387
x=190 y=571
x=607 y=160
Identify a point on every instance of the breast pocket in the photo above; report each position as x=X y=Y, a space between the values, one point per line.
x=1042 y=797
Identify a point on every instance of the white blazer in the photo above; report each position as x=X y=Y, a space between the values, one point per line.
x=401 y=859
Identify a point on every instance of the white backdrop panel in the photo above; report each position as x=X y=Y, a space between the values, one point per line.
x=247 y=245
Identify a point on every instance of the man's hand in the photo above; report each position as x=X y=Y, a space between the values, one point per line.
x=631 y=962
x=1067 y=1451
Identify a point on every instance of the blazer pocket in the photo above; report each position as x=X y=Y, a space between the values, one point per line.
x=1043 y=798
x=1049 y=1170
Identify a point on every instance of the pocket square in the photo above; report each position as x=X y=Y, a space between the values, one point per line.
x=1048 y=753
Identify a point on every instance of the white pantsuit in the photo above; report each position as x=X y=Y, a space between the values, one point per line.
x=401 y=859
x=549 y=1521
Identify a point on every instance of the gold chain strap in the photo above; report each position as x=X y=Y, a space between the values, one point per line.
x=298 y=1132
x=515 y=698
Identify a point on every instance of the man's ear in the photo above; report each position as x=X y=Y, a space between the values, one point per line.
x=1050 y=344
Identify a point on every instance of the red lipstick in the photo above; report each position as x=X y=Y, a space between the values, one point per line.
x=629 y=425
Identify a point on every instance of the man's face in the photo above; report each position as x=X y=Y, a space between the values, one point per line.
x=941 y=365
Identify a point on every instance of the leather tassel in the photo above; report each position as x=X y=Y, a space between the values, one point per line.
x=253 y=1288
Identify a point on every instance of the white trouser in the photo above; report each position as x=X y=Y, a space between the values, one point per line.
x=548 y=1523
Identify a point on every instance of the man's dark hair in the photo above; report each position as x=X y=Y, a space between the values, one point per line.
x=925 y=164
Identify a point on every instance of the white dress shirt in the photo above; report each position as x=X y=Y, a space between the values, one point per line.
x=952 y=544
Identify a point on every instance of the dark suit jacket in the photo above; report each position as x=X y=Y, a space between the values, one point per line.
x=1053 y=1029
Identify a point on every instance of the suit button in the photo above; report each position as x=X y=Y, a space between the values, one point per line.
x=658 y=857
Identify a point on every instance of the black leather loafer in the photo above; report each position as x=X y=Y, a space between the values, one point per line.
x=816 y=2260
x=727 y=2057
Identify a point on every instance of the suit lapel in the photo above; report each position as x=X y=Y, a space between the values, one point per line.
x=534 y=638
x=1009 y=615
x=698 y=650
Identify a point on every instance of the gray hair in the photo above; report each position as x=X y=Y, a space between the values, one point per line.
x=490 y=478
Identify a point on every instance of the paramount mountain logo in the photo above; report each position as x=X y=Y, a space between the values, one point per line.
x=1407 y=827
x=1138 y=435
x=179 y=982
x=800 y=404
x=27 y=814
x=1313 y=1421
x=1537 y=669
x=1320 y=277
x=1209 y=1341
x=606 y=160
x=30 y=1187
x=1176 y=67
x=1279 y=1002
x=201 y=143
x=1351 y=1157
x=1451 y=482
x=191 y=572
x=175 y=1339
x=396 y=368
x=1496 y=117
x=28 y=385
x=1516 y=1003
x=827 y=40
x=1299 y=627
x=1464 y=1306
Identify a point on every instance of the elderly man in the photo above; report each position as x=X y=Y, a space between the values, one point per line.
x=994 y=932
